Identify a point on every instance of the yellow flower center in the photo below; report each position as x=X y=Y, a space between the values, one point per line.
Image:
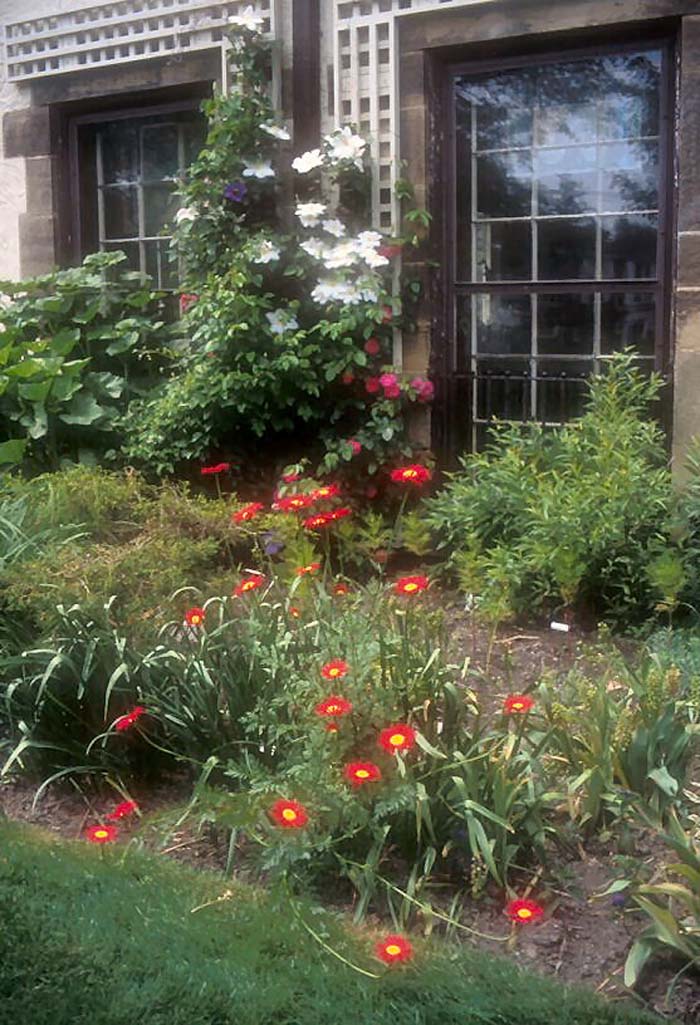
x=396 y=739
x=289 y=815
x=524 y=913
x=517 y=705
x=333 y=709
x=196 y=620
x=100 y=834
x=334 y=672
x=362 y=774
x=393 y=949
x=410 y=587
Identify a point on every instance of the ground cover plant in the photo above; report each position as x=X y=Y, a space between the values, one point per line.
x=76 y=923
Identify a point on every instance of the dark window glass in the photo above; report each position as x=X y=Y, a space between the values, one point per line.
x=557 y=178
x=139 y=162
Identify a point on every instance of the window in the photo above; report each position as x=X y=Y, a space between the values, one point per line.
x=558 y=244
x=129 y=167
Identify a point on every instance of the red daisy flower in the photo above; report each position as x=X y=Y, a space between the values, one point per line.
x=333 y=706
x=248 y=512
x=218 y=468
x=415 y=474
x=289 y=814
x=291 y=503
x=524 y=911
x=304 y=571
x=195 y=616
x=101 y=834
x=249 y=583
x=336 y=669
x=517 y=704
x=411 y=585
x=317 y=521
x=393 y=950
x=399 y=737
x=124 y=722
x=359 y=773
x=123 y=810
x=372 y=347
x=332 y=726
x=325 y=491
x=341 y=588
x=340 y=514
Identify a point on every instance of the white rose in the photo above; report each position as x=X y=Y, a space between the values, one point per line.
x=258 y=169
x=334 y=227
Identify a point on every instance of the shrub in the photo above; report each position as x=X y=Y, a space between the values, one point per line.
x=77 y=346
x=573 y=517
x=290 y=332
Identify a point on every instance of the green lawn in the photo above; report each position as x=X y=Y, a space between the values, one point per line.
x=107 y=937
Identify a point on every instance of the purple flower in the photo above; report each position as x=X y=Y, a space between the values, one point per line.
x=236 y=191
x=272 y=544
x=618 y=900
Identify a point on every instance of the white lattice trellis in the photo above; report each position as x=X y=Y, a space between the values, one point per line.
x=364 y=60
x=119 y=31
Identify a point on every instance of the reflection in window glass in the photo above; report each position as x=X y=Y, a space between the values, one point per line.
x=629 y=320
x=565 y=324
x=557 y=206
x=139 y=161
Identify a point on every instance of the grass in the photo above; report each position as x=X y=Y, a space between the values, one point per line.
x=108 y=937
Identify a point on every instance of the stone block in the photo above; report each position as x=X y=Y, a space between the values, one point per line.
x=37 y=244
x=27 y=132
x=688 y=322
x=40 y=173
x=686 y=407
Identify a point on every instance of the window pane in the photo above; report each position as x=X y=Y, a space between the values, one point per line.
x=561 y=390
x=504 y=185
x=160 y=152
x=566 y=248
x=504 y=251
x=503 y=390
x=120 y=148
x=630 y=176
x=629 y=247
x=131 y=249
x=565 y=324
x=628 y=319
x=632 y=82
x=503 y=324
x=160 y=263
x=160 y=204
x=120 y=204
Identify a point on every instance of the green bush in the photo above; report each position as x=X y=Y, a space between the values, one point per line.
x=76 y=346
x=112 y=940
x=576 y=517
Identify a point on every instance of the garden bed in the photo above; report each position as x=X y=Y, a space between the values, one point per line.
x=585 y=939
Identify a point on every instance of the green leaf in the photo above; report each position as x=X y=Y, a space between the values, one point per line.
x=428 y=747
x=636 y=959
x=664 y=780
x=83 y=410
x=12 y=451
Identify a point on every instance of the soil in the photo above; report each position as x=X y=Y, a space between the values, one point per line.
x=584 y=941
